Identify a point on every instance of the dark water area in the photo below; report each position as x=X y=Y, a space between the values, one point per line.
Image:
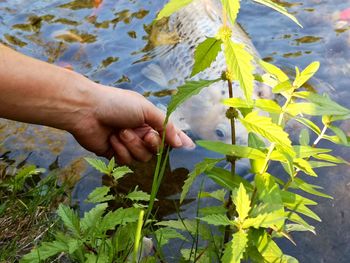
x=105 y=43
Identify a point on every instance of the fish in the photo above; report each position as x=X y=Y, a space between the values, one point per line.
x=203 y=114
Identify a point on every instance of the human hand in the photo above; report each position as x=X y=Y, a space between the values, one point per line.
x=124 y=124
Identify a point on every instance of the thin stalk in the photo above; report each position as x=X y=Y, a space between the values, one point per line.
x=138 y=236
x=233 y=161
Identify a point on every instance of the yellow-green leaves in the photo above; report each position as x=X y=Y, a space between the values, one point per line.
x=171 y=7
x=278 y=8
x=269 y=130
x=239 y=64
x=189 y=89
x=306 y=74
x=206 y=52
x=232 y=8
x=275 y=71
x=235 y=248
x=242 y=201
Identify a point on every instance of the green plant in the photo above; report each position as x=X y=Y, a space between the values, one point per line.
x=251 y=214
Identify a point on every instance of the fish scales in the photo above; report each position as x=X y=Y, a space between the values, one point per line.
x=203 y=114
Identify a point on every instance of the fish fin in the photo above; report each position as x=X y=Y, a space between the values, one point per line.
x=176 y=118
x=155 y=73
x=212 y=9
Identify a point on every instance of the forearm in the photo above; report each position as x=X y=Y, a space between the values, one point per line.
x=37 y=92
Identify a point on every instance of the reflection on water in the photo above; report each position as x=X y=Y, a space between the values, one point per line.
x=103 y=39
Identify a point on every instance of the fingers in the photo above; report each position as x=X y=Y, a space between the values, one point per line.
x=173 y=136
x=128 y=147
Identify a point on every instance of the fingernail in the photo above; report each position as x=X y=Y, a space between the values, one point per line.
x=178 y=142
x=188 y=143
x=127 y=135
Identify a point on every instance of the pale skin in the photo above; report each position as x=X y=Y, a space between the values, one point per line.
x=104 y=120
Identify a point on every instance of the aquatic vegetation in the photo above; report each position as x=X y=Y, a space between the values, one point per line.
x=249 y=215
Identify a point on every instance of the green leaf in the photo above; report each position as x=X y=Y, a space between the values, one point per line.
x=232 y=150
x=225 y=179
x=269 y=130
x=232 y=8
x=340 y=133
x=324 y=102
x=46 y=250
x=304 y=166
x=98 y=164
x=137 y=195
x=171 y=7
x=237 y=103
x=101 y=257
x=308 y=151
x=235 y=249
x=206 y=52
x=268 y=106
x=309 y=124
x=92 y=218
x=283 y=87
x=292 y=199
x=242 y=201
x=304 y=137
x=218 y=195
x=306 y=74
x=265 y=220
x=69 y=218
x=239 y=63
x=309 y=188
x=111 y=164
x=217 y=220
x=189 y=89
x=199 y=169
x=275 y=71
x=120 y=171
x=309 y=108
x=120 y=216
x=99 y=195
x=278 y=8
x=209 y=210
x=331 y=158
x=165 y=234
x=294 y=217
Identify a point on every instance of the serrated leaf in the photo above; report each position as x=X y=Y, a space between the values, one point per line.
x=171 y=7
x=239 y=63
x=217 y=220
x=331 y=158
x=278 y=8
x=308 y=151
x=165 y=234
x=120 y=171
x=309 y=188
x=225 y=179
x=306 y=74
x=92 y=218
x=138 y=195
x=232 y=150
x=235 y=249
x=44 y=251
x=294 y=217
x=199 y=169
x=269 y=130
x=323 y=101
x=205 y=54
x=232 y=8
x=218 y=195
x=264 y=220
x=99 y=195
x=184 y=92
x=237 y=103
x=273 y=70
x=242 y=201
x=304 y=166
x=268 y=106
x=111 y=164
x=120 y=216
x=69 y=218
x=98 y=164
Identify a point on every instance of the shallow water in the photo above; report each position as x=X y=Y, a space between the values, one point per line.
x=104 y=43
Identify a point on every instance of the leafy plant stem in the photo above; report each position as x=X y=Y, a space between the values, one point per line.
x=318 y=139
